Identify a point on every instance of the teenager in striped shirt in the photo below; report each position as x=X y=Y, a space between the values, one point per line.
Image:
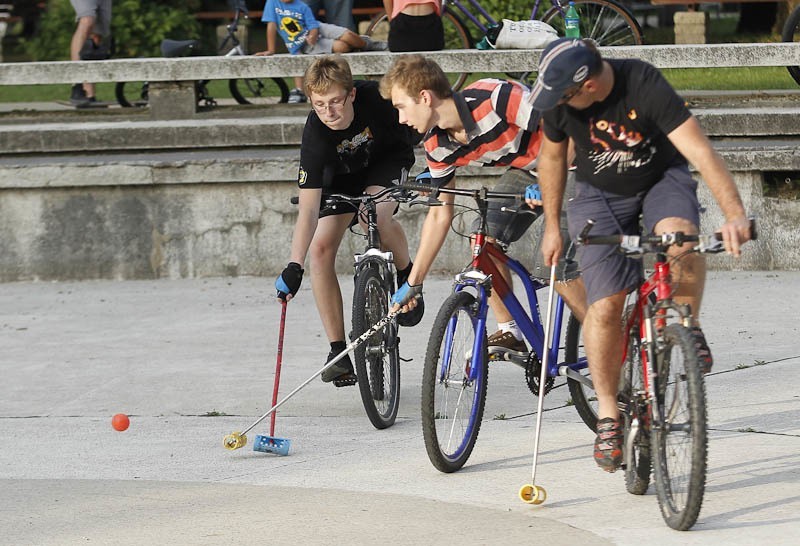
x=490 y=123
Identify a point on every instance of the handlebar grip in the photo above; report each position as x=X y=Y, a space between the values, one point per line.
x=295 y=200
x=416 y=186
x=586 y=229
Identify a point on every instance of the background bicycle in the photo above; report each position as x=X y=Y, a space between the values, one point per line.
x=377 y=361
x=662 y=391
x=467 y=21
x=455 y=375
x=791 y=33
x=244 y=91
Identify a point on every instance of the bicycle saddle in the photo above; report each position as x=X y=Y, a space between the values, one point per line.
x=177 y=48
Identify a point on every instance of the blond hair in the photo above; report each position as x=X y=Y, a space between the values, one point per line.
x=413 y=74
x=327 y=71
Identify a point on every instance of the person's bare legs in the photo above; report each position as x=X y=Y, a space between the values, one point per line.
x=602 y=340
x=689 y=272
x=324 y=283
x=393 y=237
x=82 y=32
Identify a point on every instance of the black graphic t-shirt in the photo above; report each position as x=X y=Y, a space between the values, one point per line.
x=621 y=143
x=340 y=161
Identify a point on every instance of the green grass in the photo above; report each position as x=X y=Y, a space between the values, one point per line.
x=104 y=91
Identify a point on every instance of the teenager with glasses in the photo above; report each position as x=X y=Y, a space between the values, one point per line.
x=352 y=143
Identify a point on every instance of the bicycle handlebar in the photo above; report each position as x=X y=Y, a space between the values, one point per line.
x=402 y=195
x=480 y=193
x=642 y=244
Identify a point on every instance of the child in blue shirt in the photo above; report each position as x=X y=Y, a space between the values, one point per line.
x=294 y=22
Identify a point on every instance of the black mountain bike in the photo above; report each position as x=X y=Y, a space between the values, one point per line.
x=244 y=90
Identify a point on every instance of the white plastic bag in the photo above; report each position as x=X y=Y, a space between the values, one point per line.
x=528 y=34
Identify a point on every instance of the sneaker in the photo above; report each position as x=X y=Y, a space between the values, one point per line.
x=374 y=45
x=77 y=96
x=341 y=373
x=88 y=102
x=412 y=317
x=296 y=96
x=704 y=357
x=608 y=444
x=505 y=342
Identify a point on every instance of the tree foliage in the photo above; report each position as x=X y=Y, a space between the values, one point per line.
x=138 y=26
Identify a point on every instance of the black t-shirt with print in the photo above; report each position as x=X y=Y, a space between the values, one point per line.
x=621 y=143
x=342 y=161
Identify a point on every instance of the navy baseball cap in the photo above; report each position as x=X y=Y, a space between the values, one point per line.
x=564 y=63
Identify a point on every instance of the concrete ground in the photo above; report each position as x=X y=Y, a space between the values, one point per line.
x=192 y=360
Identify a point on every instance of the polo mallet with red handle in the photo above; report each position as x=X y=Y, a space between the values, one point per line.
x=236 y=440
x=530 y=492
x=271 y=443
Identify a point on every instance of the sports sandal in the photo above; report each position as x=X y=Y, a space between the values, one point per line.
x=608 y=444
x=703 y=352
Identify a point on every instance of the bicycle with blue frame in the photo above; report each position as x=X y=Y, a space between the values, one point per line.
x=456 y=361
x=607 y=22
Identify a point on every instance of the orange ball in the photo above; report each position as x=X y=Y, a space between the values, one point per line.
x=120 y=422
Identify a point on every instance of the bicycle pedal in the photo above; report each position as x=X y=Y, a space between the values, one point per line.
x=345 y=381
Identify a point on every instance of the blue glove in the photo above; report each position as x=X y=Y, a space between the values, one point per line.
x=406 y=293
x=424 y=177
x=533 y=192
x=289 y=281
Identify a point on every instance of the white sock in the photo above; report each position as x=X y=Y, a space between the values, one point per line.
x=510 y=326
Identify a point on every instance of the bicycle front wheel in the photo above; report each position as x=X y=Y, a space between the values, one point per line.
x=582 y=395
x=679 y=441
x=377 y=360
x=454 y=383
x=791 y=33
x=604 y=21
x=259 y=90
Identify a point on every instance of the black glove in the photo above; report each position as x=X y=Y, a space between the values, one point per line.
x=289 y=281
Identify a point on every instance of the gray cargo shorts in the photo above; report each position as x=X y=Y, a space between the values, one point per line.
x=99 y=9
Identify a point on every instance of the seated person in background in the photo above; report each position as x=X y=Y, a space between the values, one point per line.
x=489 y=123
x=303 y=34
x=415 y=25
x=352 y=143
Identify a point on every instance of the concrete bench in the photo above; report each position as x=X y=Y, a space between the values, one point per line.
x=172 y=95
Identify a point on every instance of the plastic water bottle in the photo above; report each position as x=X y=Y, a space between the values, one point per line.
x=572 y=22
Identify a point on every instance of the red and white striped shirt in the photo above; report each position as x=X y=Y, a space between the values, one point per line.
x=501 y=126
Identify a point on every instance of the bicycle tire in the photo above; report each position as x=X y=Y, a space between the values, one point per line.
x=632 y=392
x=679 y=443
x=378 y=360
x=582 y=396
x=456 y=36
x=791 y=33
x=448 y=440
x=604 y=21
x=130 y=94
x=259 y=90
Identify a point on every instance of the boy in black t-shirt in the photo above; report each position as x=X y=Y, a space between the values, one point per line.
x=352 y=143
x=633 y=136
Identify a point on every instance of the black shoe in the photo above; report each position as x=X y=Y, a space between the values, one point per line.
x=78 y=96
x=341 y=373
x=412 y=317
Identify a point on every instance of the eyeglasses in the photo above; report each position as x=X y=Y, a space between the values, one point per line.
x=569 y=95
x=333 y=105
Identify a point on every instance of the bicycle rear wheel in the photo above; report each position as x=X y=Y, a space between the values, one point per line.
x=679 y=442
x=791 y=33
x=456 y=36
x=604 y=21
x=378 y=360
x=582 y=395
x=635 y=421
x=259 y=90
x=452 y=402
x=131 y=94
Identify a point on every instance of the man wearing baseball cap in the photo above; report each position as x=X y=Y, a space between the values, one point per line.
x=634 y=137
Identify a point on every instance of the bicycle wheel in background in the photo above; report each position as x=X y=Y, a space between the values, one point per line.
x=604 y=21
x=456 y=36
x=791 y=33
x=632 y=393
x=130 y=94
x=378 y=360
x=259 y=90
x=679 y=442
x=583 y=397
x=452 y=403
